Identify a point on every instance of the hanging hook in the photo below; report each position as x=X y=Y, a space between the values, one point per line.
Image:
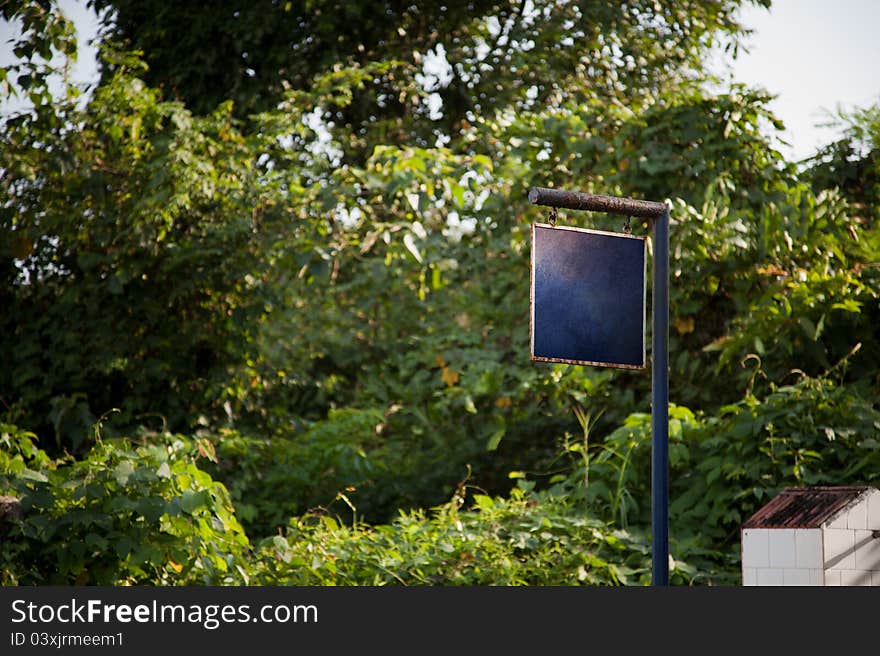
x=627 y=226
x=553 y=216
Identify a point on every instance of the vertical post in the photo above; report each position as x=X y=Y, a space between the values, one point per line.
x=660 y=403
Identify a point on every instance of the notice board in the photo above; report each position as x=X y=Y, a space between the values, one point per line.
x=588 y=293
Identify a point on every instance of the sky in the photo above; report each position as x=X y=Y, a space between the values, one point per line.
x=815 y=56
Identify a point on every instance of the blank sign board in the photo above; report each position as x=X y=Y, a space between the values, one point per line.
x=588 y=297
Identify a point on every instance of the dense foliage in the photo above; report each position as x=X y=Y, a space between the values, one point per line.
x=267 y=321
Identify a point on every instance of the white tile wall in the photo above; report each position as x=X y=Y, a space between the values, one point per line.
x=755 y=547
x=838 y=521
x=838 y=545
x=841 y=553
x=874 y=509
x=832 y=577
x=867 y=550
x=781 y=542
x=857 y=517
x=855 y=577
x=802 y=577
x=768 y=576
x=808 y=548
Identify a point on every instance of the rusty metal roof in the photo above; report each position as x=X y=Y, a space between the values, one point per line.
x=804 y=507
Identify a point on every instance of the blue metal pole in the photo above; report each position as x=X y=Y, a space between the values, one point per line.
x=660 y=403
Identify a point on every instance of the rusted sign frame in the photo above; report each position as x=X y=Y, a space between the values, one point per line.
x=532 y=303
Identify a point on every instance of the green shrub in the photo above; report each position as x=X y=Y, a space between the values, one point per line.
x=123 y=514
x=526 y=539
x=272 y=479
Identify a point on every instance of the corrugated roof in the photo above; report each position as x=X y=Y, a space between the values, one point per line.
x=804 y=507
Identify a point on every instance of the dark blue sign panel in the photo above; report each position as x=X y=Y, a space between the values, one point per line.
x=588 y=297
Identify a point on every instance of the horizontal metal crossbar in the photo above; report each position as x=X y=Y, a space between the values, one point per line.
x=576 y=200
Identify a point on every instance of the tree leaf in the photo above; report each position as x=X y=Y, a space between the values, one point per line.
x=495 y=439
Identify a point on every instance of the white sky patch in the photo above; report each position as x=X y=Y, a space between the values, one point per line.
x=493 y=25
x=809 y=81
x=456 y=227
x=265 y=160
x=435 y=105
x=436 y=70
x=482 y=49
x=467 y=175
x=436 y=74
x=348 y=217
x=480 y=199
x=84 y=71
x=323 y=144
x=530 y=13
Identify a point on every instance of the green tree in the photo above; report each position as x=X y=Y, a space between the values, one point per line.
x=852 y=163
x=128 y=239
x=511 y=54
x=44 y=33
